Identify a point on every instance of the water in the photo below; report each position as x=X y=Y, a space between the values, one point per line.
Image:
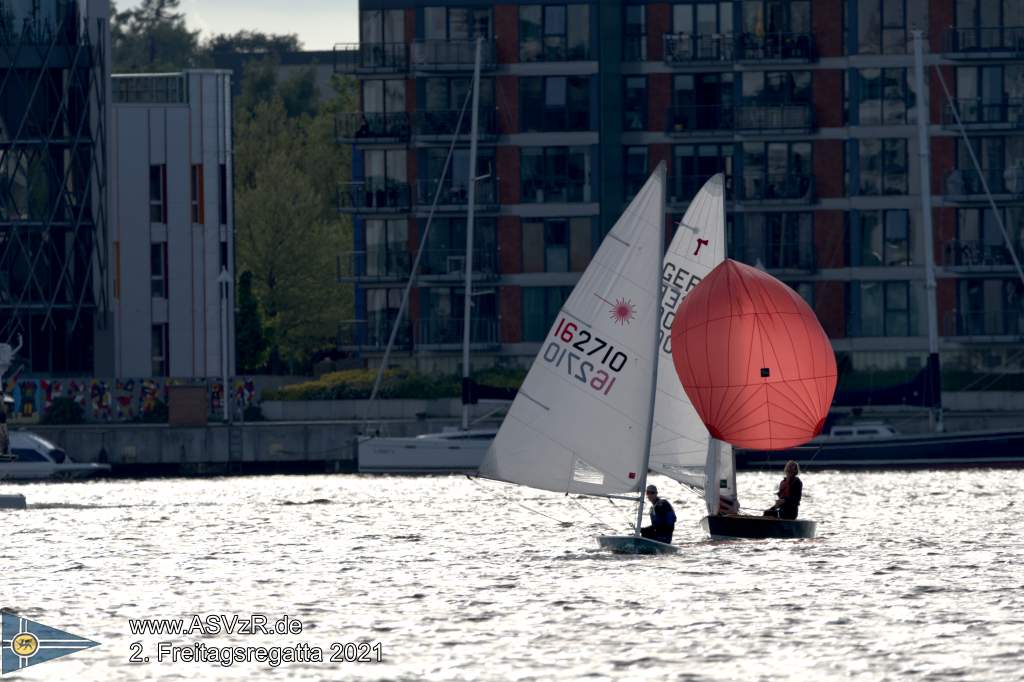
x=913 y=576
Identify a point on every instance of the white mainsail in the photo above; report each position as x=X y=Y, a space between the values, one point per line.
x=581 y=421
x=680 y=442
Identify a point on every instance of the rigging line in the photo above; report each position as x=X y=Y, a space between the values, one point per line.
x=595 y=516
x=517 y=502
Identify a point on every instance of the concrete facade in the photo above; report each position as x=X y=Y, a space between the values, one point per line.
x=172 y=224
x=808 y=107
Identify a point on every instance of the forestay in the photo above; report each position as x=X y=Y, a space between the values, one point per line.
x=581 y=420
x=680 y=441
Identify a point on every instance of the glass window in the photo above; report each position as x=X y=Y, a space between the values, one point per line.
x=382 y=26
x=158 y=269
x=692 y=165
x=554 y=103
x=634 y=103
x=196 y=195
x=881 y=27
x=540 y=306
x=555 y=174
x=222 y=185
x=159 y=346
x=634 y=45
x=884 y=238
x=883 y=96
x=157 y=192
x=556 y=244
x=554 y=32
x=579 y=32
x=885 y=309
x=635 y=170
x=883 y=166
x=530 y=33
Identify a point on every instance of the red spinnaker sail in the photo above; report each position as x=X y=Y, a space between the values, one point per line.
x=753 y=359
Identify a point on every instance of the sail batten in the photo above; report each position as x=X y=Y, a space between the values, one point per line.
x=582 y=418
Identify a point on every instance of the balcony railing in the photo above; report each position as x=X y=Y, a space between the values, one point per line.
x=371 y=127
x=700 y=119
x=372 y=335
x=976 y=254
x=795 y=118
x=775 y=47
x=377 y=265
x=374 y=196
x=984 y=41
x=451 y=263
x=690 y=48
x=1009 y=113
x=683 y=188
x=455 y=194
x=442 y=123
x=451 y=55
x=791 y=255
x=966 y=184
x=777 y=187
x=984 y=323
x=371 y=58
x=447 y=331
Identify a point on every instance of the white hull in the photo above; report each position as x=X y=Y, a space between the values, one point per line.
x=420 y=455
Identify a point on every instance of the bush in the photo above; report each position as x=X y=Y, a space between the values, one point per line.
x=63 y=411
x=158 y=415
x=357 y=384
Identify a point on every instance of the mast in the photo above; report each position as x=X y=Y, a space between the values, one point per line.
x=655 y=351
x=931 y=304
x=467 y=306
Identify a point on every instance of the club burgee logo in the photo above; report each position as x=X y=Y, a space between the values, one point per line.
x=26 y=643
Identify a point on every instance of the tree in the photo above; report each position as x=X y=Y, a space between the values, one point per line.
x=248 y=42
x=152 y=38
x=250 y=340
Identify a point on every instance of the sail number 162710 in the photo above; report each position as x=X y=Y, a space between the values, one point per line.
x=586 y=366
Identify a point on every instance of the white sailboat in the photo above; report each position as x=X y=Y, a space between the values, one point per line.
x=582 y=420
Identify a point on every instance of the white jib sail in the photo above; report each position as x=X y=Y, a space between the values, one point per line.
x=679 y=443
x=581 y=419
x=720 y=473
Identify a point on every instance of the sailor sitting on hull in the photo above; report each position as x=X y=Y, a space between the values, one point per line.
x=663 y=518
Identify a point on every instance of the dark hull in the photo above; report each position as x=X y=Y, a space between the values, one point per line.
x=757 y=527
x=934 y=450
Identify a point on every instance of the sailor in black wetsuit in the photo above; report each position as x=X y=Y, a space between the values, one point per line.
x=790 y=491
x=663 y=518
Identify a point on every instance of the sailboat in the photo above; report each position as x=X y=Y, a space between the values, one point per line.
x=582 y=420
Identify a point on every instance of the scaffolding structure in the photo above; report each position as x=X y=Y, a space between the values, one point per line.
x=53 y=175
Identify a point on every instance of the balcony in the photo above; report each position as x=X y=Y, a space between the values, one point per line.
x=455 y=195
x=775 y=118
x=683 y=188
x=983 y=325
x=366 y=58
x=700 y=119
x=990 y=42
x=791 y=256
x=440 y=125
x=977 y=114
x=696 y=48
x=966 y=186
x=776 y=47
x=445 y=333
x=977 y=255
x=378 y=265
x=776 y=188
x=451 y=55
x=372 y=335
x=371 y=127
x=450 y=264
x=374 y=196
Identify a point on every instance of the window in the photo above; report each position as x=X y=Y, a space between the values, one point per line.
x=442 y=319
x=979 y=241
x=555 y=103
x=456 y=23
x=449 y=94
x=634 y=170
x=540 y=306
x=692 y=165
x=990 y=93
x=634 y=45
x=883 y=97
x=702 y=18
x=883 y=167
x=446 y=246
x=701 y=101
x=383 y=96
x=551 y=174
x=881 y=27
x=634 y=103
x=777 y=87
x=761 y=17
x=158 y=193
x=387 y=247
x=222 y=198
x=776 y=170
x=776 y=240
x=197 y=194
x=557 y=244
x=554 y=32
x=382 y=26
x=159 y=340
x=884 y=238
x=384 y=166
x=225 y=263
x=990 y=306
x=158 y=269
x=381 y=310
x=884 y=309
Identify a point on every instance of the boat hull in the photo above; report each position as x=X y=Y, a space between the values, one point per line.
x=957 y=449
x=420 y=455
x=757 y=527
x=632 y=544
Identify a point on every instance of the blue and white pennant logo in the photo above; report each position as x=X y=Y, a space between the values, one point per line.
x=26 y=643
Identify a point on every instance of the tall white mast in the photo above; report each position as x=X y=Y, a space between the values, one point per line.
x=655 y=350
x=470 y=214
x=924 y=168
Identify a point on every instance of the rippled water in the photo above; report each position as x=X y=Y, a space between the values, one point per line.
x=913 y=576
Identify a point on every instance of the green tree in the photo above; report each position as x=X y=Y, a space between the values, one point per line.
x=153 y=38
x=250 y=339
x=249 y=42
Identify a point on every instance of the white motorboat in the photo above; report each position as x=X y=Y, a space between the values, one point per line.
x=36 y=458
x=454 y=451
